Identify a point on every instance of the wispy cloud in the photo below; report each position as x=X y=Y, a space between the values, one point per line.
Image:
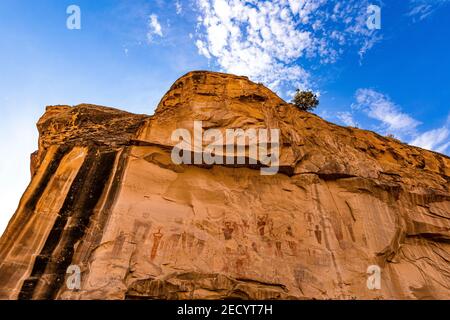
x=380 y=107
x=393 y=120
x=178 y=7
x=154 y=27
x=436 y=139
x=421 y=9
x=268 y=40
x=346 y=118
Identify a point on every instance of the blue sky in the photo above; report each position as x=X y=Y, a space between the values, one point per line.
x=393 y=80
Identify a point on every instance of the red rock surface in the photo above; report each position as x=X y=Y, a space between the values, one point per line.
x=105 y=196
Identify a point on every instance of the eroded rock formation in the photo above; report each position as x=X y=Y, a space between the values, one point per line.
x=106 y=197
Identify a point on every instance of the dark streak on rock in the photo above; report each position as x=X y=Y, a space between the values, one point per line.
x=431 y=236
x=30 y=205
x=58 y=250
x=334 y=176
x=116 y=184
x=49 y=172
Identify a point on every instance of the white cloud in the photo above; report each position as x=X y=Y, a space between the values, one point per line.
x=154 y=28
x=178 y=7
x=346 y=118
x=202 y=49
x=421 y=9
x=443 y=148
x=268 y=41
x=436 y=139
x=380 y=107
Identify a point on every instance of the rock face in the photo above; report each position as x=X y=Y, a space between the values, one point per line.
x=105 y=197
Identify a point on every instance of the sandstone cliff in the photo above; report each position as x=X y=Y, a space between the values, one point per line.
x=105 y=196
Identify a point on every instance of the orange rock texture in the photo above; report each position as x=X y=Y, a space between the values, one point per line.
x=106 y=197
